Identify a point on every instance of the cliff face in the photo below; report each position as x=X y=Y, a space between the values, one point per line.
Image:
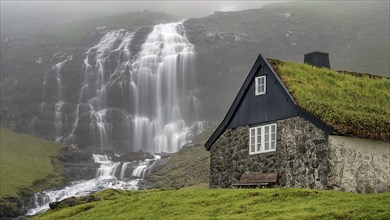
x=226 y=46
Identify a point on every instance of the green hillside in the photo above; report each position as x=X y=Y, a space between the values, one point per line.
x=26 y=162
x=201 y=203
x=190 y=166
x=353 y=104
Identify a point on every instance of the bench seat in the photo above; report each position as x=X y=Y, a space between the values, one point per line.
x=256 y=179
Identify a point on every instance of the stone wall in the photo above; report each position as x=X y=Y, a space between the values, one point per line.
x=300 y=157
x=359 y=165
x=305 y=157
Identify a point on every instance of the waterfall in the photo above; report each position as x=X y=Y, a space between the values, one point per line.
x=158 y=73
x=115 y=175
x=137 y=92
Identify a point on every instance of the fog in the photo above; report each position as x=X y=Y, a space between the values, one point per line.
x=183 y=9
x=17 y=15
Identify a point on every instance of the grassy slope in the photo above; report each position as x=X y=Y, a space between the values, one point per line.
x=198 y=203
x=25 y=161
x=190 y=166
x=355 y=105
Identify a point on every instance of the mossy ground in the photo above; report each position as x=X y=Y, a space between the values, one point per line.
x=203 y=203
x=27 y=163
x=190 y=166
x=357 y=105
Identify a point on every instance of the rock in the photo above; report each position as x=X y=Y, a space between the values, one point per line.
x=131 y=156
x=72 y=201
x=54 y=205
x=75 y=155
x=8 y=209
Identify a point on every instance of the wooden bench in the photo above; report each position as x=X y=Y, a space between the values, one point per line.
x=256 y=179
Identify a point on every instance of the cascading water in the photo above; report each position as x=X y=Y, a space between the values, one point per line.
x=137 y=93
x=109 y=175
x=159 y=74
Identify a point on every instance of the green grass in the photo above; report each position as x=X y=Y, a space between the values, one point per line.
x=27 y=163
x=357 y=105
x=201 y=203
x=190 y=166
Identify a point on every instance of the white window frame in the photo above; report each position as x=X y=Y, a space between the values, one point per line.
x=260 y=88
x=259 y=140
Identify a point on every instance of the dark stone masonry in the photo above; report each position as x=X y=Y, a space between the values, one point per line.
x=304 y=158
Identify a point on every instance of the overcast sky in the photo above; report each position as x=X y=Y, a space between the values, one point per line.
x=28 y=16
x=184 y=9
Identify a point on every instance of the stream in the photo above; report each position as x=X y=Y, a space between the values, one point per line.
x=110 y=175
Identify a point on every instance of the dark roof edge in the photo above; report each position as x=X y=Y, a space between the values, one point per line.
x=280 y=82
x=315 y=121
x=229 y=115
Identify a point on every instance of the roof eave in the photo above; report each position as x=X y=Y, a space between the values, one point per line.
x=233 y=107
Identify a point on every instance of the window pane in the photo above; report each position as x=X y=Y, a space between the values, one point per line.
x=252 y=150
x=273 y=145
x=266 y=147
x=273 y=128
x=266 y=130
x=273 y=136
x=253 y=140
x=258 y=147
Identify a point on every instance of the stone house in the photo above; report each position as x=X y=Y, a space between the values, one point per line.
x=267 y=130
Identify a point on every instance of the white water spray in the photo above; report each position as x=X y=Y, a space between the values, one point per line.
x=110 y=175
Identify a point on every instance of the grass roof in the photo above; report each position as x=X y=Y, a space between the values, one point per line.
x=352 y=104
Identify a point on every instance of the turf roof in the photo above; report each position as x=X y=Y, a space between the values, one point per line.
x=352 y=104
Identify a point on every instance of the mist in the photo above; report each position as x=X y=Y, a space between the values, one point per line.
x=26 y=16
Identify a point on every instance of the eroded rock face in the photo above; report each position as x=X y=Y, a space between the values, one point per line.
x=300 y=157
x=305 y=157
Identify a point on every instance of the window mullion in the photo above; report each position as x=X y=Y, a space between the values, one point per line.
x=255 y=139
x=262 y=138
x=270 y=137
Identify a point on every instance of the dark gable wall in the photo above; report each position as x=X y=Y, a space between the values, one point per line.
x=276 y=104
x=249 y=109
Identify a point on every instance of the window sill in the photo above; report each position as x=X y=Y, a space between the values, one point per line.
x=262 y=152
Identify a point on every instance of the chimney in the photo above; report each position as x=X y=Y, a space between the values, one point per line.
x=318 y=59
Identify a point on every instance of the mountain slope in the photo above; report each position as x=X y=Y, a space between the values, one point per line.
x=27 y=58
x=356 y=34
